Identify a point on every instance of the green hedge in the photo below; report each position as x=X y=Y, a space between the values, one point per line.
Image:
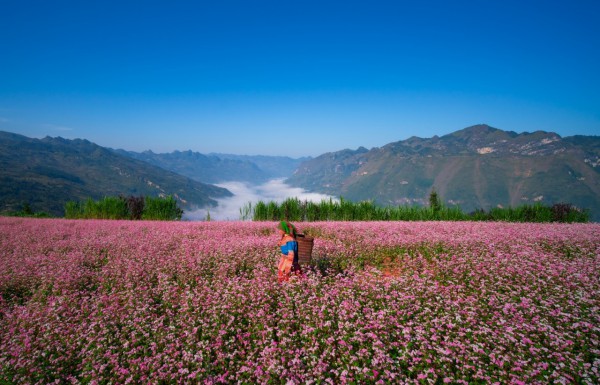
x=147 y=208
x=293 y=209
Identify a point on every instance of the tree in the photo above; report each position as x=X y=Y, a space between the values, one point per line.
x=27 y=211
x=434 y=200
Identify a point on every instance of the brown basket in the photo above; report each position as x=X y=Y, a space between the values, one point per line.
x=305 y=246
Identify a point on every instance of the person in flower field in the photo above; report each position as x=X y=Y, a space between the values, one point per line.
x=288 y=263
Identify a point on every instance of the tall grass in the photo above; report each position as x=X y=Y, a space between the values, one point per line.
x=147 y=208
x=105 y=208
x=293 y=209
x=161 y=209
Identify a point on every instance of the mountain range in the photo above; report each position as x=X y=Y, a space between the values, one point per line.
x=478 y=167
x=48 y=172
x=218 y=168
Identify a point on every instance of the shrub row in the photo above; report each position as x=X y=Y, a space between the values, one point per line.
x=294 y=209
x=27 y=212
x=132 y=207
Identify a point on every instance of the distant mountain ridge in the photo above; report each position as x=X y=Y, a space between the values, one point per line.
x=218 y=168
x=48 y=172
x=273 y=166
x=476 y=167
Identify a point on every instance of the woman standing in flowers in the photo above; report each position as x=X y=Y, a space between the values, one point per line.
x=289 y=251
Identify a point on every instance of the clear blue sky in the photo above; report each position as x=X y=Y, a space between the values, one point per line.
x=295 y=77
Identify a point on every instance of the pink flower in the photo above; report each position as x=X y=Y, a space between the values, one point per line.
x=139 y=300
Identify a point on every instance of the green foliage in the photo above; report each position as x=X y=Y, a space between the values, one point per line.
x=112 y=208
x=434 y=200
x=559 y=212
x=293 y=209
x=246 y=212
x=27 y=211
x=136 y=208
x=73 y=210
x=105 y=208
x=161 y=209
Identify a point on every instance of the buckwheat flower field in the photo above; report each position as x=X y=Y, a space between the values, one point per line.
x=117 y=302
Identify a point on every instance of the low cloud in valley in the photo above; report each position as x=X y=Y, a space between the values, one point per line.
x=243 y=193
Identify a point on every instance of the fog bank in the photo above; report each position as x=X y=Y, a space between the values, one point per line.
x=273 y=190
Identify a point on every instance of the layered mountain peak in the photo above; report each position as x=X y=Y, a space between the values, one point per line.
x=477 y=130
x=482 y=139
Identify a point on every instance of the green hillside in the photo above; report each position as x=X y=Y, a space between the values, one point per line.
x=46 y=173
x=479 y=167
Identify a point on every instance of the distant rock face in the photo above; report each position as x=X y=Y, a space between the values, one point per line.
x=47 y=173
x=218 y=168
x=477 y=167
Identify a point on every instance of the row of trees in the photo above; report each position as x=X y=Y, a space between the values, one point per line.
x=26 y=211
x=132 y=207
x=293 y=209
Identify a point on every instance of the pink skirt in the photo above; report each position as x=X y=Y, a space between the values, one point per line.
x=286 y=268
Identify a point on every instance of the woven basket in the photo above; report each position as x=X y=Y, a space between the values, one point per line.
x=305 y=246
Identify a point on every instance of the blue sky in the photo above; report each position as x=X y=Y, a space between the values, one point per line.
x=295 y=78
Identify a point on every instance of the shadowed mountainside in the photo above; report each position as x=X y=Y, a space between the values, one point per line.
x=46 y=173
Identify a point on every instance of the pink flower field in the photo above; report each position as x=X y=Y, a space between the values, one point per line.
x=117 y=302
